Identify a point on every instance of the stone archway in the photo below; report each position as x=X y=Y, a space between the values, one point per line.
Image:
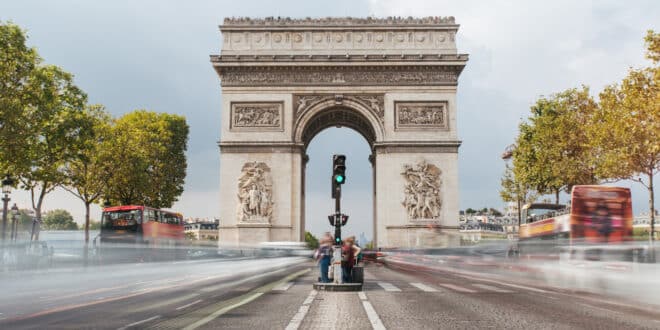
x=392 y=80
x=342 y=112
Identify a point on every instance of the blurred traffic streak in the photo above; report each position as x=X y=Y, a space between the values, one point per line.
x=626 y=270
x=44 y=255
x=36 y=293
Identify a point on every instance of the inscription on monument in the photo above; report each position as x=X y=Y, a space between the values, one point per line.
x=256 y=116
x=423 y=200
x=255 y=193
x=420 y=115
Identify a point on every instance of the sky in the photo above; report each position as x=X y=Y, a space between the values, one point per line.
x=154 y=55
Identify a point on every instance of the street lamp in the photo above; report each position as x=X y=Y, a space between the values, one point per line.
x=14 y=228
x=7 y=184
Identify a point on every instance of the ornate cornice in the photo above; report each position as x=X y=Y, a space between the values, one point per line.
x=418 y=75
x=338 y=58
x=259 y=147
x=336 y=21
x=417 y=147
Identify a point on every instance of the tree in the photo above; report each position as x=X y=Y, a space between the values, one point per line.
x=55 y=108
x=59 y=220
x=626 y=129
x=147 y=150
x=552 y=149
x=311 y=240
x=88 y=171
x=17 y=62
x=470 y=211
x=516 y=191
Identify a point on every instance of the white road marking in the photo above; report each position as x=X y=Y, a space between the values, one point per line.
x=223 y=310
x=600 y=308
x=362 y=295
x=297 y=319
x=457 y=288
x=491 y=288
x=424 y=287
x=508 y=284
x=140 y=322
x=389 y=287
x=283 y=287
x=188 y=305
x=376 y=323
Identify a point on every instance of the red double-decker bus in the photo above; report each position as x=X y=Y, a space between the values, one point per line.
x=140 y=224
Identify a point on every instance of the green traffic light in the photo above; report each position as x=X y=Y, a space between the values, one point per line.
x=339 y=178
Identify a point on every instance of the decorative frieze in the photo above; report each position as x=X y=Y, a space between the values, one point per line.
x=373 y=102
x=336 y=21
x=256 y=116
x=416 y=115
x=255 y=193
x=422 y=190
x=339 y=76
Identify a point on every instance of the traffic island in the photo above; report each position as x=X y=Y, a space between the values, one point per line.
x=338 y=287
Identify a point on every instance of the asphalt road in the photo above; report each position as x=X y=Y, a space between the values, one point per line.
x=278 y=294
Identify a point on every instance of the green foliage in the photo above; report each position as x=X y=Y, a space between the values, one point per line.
x=552 y=149
x=470 y=211
x=369 y=245
x=147 y=151
x=516 y=191
x=191 y=236
x=17 y=61
x=626 y=128
x=59 y=220
x=311 y=240
x=87 y=173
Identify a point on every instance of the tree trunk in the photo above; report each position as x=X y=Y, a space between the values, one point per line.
x=86 y=222
x=651 y=206
x=557 y=196
x=519 y=213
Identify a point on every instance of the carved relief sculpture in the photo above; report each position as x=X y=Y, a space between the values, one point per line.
x=255 y=193
x=373 y=102
x=260 y=116
x=421 y=114
x=423 y=199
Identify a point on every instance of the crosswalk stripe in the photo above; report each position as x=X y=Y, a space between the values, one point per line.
x=283 y=287
x=424 y=287
x=491 y=288
x=457 y=288
x=389 y=287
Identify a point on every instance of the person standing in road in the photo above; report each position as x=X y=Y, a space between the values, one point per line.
x=349 y=253
x=324 y=256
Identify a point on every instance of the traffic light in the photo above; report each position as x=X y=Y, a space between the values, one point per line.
x=344 y=219
x=338 y=174
x=339 y=169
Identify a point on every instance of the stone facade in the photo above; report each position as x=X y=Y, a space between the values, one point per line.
x=392 y=80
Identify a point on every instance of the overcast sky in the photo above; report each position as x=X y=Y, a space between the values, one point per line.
x=154 y=55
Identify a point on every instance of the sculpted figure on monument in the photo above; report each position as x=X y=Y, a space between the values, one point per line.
x=256 y=115
x=254 y=193
x=422 y=191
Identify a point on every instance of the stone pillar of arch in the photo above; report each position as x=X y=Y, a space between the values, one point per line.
x=392 y=80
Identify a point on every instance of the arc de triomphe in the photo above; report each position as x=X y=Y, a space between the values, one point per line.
x=284 y=80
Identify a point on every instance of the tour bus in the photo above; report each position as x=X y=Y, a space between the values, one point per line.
x=131 y=228
x=597 y=215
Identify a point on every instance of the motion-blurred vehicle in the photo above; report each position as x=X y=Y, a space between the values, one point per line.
x=141 y=232
x=596 y=215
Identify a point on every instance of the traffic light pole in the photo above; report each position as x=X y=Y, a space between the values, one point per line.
x=336 y=253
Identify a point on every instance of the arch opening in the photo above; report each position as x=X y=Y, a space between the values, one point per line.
x=338 y=116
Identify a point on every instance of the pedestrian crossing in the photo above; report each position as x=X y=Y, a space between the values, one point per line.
x=436 y=287
x=417 y=286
